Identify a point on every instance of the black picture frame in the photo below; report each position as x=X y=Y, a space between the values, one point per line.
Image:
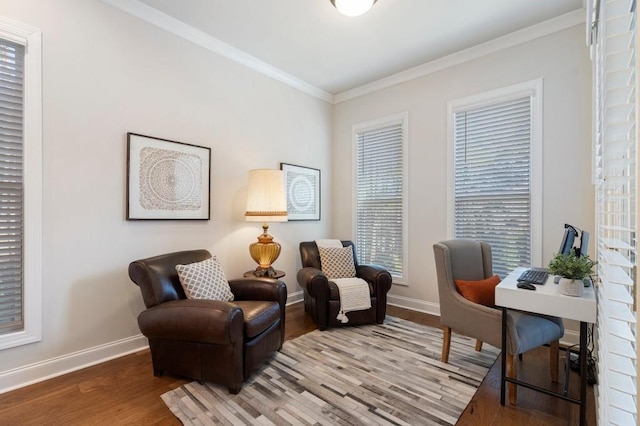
x=167 y=180
x=302 y=185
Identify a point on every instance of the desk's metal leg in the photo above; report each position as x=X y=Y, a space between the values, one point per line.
x=504 y=355
x=583 y=373
x=567 y=370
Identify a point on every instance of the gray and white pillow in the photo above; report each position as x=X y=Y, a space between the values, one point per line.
x=337 y=262
x=204 y=280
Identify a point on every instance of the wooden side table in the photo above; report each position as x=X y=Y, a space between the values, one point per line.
x=251 y=274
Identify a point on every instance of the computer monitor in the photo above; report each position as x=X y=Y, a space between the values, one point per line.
x=568 y=239
x=584 y=244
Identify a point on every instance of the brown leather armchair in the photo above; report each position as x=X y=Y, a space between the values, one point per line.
x=208 y=340
x=322 y=298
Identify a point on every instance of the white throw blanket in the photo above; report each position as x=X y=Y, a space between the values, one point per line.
x=354 y=296
x=329 y=243
x=354 y=292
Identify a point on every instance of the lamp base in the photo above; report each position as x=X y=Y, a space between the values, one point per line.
x=265 y=272
x=264 y=252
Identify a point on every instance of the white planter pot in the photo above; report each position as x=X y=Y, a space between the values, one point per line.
x=571 y=287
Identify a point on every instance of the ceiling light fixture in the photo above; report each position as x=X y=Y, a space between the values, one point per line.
x=353 y=7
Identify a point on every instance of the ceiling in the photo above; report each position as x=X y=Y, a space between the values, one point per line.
x=310 y=40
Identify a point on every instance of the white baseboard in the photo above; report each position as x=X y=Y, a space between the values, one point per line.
x=54 y=367
x=571 y=337
x=296 y=297
x=413 y=304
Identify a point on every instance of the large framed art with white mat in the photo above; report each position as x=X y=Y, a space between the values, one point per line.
x=167 y=179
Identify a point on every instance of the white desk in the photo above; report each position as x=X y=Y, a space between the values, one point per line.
x=547 y=300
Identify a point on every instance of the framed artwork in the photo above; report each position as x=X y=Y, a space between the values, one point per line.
x=303 y=192
x=166 y=179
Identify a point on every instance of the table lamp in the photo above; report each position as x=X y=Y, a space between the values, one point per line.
x=266 y=202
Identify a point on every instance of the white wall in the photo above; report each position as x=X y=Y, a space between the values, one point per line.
x=562 y=61
x=107 y=73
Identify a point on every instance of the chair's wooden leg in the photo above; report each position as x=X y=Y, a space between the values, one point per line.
x=446 y=343
x=554 y=355
x=478 y=345
x=511 y=373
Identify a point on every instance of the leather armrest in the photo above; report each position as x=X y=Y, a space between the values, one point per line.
x=314 y=281
x=377 y=275
x=194 y=320
x=259 y=289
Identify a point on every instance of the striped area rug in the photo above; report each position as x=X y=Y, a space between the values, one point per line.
x=387 y=374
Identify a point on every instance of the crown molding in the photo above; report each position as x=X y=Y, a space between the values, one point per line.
x=568 y=20
x=15 y=31
x=202 y=39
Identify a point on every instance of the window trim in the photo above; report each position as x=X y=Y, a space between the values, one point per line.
x=531 y=88
x=402 y=119
x=31 y=38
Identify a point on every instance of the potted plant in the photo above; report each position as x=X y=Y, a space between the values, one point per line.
x=572 y=269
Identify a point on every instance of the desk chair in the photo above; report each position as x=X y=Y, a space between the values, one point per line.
x=470 y=260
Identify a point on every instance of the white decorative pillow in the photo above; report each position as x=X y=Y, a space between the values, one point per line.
x=204 y=280
x=337 y=262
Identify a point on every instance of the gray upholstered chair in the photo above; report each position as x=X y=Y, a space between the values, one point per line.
x=471 y=260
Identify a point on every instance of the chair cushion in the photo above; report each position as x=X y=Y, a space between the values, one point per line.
x=534 y=330
x=258 y=315
x=204 y=280
x=337 y=262
x=482 y=292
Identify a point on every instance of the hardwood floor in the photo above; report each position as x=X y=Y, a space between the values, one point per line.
x=125 y=392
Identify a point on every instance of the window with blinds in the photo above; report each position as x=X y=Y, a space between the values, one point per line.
x=20 y=184
x=615 y=171
x=11 y=186
x=380 y=178
x=492 y=179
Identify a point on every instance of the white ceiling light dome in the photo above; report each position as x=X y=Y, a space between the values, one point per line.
x=353 y=7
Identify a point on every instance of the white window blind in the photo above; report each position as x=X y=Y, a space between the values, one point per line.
x=11 y=186
x=492 y=172
x=615 y=172
x=380 y=196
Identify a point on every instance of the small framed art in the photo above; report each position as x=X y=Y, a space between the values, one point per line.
x=303 y=192
x=167 y=179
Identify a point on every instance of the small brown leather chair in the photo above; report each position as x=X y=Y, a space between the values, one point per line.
x=208 y=340
x=322 y=298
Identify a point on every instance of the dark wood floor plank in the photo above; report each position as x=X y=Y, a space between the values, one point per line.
x=124 y=391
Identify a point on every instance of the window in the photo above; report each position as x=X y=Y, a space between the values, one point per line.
x=615 y=172
x=492 y=184
x=20 y=184
x=381 y=194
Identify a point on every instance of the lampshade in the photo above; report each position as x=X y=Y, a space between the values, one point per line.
x=266 y=198
x=266 y=202
x=353 y=7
